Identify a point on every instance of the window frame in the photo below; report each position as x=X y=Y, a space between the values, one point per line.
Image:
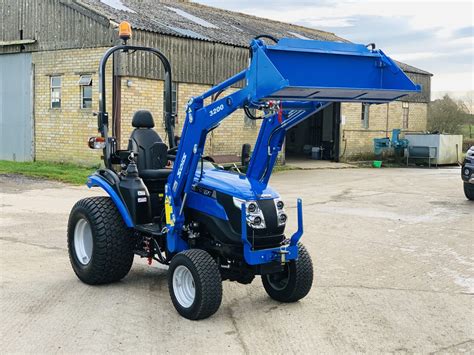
x=405 y=114
x=84 y=84
x=365 y=114
x=52 y=89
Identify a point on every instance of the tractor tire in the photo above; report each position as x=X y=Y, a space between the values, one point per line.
x=195 y=284
x=469 y=191
x=99 y=243
x=294 y=282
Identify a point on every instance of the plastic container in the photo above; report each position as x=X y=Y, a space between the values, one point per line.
x=377 y=163
x=316 y=153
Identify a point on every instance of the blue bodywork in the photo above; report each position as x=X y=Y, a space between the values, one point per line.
x=97 y=180
x=237 y=185
x=301 y=77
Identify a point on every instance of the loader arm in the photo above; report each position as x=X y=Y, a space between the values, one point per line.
x=299 y=77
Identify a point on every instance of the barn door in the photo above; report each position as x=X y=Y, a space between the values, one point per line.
x=16 y=121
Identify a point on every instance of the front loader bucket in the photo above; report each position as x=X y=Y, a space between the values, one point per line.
x=325 y=71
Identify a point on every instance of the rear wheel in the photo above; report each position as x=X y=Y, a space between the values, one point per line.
x=469 y=191
x=99 y=243
x=195 y=284
x=294 y=282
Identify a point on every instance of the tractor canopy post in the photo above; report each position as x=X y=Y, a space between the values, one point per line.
x=103 y=116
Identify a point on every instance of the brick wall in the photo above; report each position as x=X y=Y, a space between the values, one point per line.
x=358 y=141
x=142 y=94
x=61 y=134
x=226 y=139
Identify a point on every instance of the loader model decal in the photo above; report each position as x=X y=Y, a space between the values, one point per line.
x=181 y=165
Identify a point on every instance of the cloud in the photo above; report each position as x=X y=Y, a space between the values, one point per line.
x=464 y=32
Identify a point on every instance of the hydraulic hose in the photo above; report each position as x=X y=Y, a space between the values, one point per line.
x=274 y=39
x=249 y=114
x=270 y=37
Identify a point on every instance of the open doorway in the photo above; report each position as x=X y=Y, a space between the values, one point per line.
x=316 y=137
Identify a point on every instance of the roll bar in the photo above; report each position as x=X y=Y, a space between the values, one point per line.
x=103 y=116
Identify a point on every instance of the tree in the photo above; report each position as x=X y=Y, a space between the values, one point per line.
x=447 y=115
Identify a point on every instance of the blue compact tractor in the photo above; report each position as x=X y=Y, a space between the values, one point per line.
x=168 y=203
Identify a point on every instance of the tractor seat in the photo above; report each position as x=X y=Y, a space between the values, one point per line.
x=152 y=152
x=154 y=174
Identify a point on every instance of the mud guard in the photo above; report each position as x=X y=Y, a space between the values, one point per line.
x=96 y=180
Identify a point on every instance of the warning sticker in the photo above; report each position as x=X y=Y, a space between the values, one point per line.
x=141 y=199
x=141 y=193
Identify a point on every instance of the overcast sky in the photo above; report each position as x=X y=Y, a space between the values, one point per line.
x=434 y=36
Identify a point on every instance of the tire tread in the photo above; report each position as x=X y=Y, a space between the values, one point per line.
x=113 y=244
x=210 y=283
x=303 y=271
x=469 y=191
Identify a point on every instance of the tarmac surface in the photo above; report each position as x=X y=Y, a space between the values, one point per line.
x=393 y=254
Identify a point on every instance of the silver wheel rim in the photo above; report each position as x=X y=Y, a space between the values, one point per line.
x=277 y=281
x=183 y=286
x=83 y=241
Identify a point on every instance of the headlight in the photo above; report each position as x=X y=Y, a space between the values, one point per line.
x=254 y=214
x=280 y=209
x=252 y=207
x=467 y=171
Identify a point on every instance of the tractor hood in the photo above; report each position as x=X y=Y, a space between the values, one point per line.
x=234 y=184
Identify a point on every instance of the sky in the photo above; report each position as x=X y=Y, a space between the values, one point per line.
x=436 y=36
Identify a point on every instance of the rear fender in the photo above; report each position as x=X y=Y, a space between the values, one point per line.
x=96 y=180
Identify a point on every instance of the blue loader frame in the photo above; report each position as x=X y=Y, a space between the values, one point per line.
x=301 y=77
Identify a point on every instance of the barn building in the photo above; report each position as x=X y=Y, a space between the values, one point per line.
x=49 y=56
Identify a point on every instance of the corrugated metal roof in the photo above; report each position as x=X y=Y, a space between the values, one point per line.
x=197 y=21
x=409 y=68
x=217 y=25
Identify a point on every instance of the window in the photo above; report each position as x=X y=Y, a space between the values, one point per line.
x=55 y=85
x=174 y=101
x=365 y=115
x=85 y=82
x=405 y=109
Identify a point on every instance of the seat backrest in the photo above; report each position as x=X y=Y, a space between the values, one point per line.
x=152 y=152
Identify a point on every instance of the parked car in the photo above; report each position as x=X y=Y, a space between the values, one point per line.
x=467 y=174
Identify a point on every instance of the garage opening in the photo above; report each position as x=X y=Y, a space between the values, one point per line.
x=315 y=138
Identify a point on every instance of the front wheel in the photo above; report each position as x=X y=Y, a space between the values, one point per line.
x=294 y=282
x=469 y=191
x=195 y=284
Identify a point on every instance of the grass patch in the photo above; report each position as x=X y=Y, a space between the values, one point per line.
x=280 y=168
x=69 y=173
